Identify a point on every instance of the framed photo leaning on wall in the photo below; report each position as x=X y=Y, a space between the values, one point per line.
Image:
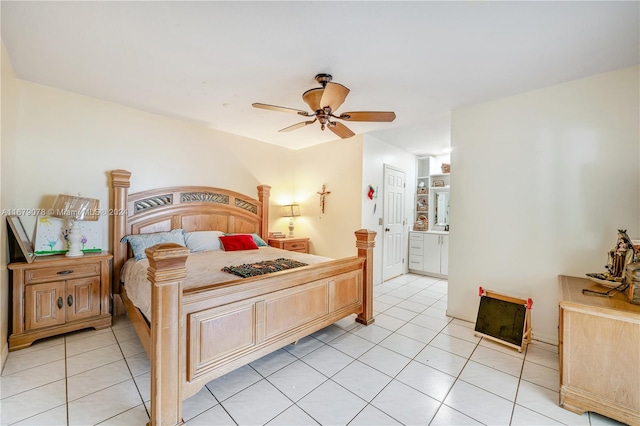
x=20 y=247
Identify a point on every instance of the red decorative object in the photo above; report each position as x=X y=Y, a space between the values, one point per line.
x=238 y=242
x=371 y=192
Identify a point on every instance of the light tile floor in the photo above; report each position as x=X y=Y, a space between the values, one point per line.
x=413 y=366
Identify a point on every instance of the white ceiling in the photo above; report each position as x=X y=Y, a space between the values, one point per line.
x=209 y=61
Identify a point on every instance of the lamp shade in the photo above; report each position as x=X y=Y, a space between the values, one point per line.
x=291 y=210
x=75 y=208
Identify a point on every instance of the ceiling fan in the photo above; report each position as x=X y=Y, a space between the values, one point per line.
x=324 y=101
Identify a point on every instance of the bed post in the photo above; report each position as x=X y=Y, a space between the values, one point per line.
x=365 y=242
x=263 y=197
x=120 y=182
x=166 y=271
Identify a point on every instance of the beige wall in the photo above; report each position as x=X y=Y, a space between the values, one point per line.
x=66 y=143
x=7 y=186
x=338 y=165
x=542 y=182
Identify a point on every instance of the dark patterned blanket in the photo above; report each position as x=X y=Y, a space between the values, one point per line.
x=264 y=267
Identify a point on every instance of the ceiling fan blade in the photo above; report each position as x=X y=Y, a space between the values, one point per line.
x=312 y=98
x=297 y=126
x=340 y=130
x=368 y=116
x=333 y=96
x=281 y=109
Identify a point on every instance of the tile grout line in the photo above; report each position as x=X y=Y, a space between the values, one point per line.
x=124 y=358
x=402 y=369
x=454 y=383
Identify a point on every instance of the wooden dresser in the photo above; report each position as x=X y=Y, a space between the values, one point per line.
x=56 y=294
x=599 y=344
x=292 y=244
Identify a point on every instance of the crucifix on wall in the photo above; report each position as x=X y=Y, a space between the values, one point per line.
x=322 y=195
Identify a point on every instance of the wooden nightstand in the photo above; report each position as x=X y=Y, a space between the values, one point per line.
x=57 y=294
x=292 y=244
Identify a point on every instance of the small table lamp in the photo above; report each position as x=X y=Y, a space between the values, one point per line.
x=291 y=211
x=75 y=209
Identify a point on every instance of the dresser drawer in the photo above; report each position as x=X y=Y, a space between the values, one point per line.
x=415 y=236
x=416 y=247
x=57 y=273
x=415 y=262
x=300 y=246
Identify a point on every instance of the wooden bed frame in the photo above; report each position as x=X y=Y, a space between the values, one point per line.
x=199 y=334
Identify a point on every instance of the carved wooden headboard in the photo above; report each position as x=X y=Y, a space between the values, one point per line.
x=192 y=208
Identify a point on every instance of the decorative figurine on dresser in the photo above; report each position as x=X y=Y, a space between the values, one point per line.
x=618 y=258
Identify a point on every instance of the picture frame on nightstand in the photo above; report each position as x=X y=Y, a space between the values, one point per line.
x=20 y=247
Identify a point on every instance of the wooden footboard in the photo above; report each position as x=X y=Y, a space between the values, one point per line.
x=200 y=334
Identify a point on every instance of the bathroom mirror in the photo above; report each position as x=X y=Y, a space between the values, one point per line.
x=441 y=208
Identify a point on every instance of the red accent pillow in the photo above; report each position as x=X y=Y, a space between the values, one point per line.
x=238 y=242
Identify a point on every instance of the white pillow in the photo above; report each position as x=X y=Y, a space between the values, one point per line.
x=203 y=240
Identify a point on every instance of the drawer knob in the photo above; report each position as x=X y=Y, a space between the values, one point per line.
x=60 y=302
x=294 y=245
x=65 y=272
x=70 y=300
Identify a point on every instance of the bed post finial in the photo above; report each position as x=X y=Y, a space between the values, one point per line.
x=120 y=182
x=365 y=242
x=263 y=197
x=167 y=269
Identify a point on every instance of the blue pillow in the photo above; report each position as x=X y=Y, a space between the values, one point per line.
x=259 y=241
x=139 y=243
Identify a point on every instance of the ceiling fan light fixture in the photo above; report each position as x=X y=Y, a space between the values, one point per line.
x=312 y=98
x=323 y=101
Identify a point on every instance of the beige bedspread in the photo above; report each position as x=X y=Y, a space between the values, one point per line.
x=203 y=268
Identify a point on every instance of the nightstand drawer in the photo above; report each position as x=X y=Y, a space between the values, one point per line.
x=295 y=246
x=291 y=244
x=66 y=272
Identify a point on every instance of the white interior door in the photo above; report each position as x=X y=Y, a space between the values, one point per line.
x=394 y=187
